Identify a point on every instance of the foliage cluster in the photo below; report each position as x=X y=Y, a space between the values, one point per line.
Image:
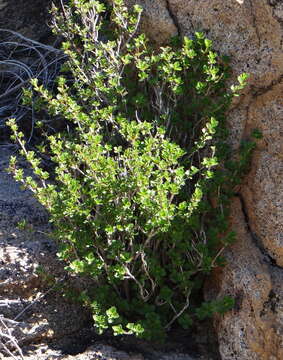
x=136 y=194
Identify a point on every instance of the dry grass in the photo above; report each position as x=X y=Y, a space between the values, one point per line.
x=22 y=59
x=8 y=341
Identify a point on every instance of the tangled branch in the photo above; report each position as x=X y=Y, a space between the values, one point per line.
x=22 y=59
x=8 y=342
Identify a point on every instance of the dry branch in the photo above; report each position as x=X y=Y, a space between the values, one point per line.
x=22 y=59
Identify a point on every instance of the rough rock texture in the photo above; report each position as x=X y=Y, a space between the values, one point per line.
x=253 y=330
x=29 y=17
x=250 y=31
x=105 y=352
x=157 y=20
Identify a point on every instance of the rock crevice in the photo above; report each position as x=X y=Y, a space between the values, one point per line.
x=258 y=243
x=251 y=33
x=173 y=17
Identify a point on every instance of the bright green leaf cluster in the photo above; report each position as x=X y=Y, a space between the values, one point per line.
x=136 y=193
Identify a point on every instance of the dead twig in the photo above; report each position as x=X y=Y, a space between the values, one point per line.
x=7 y=340
x=22 y=59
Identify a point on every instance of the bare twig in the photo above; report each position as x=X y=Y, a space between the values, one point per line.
x=40 y=297
x=187 y=304
x=8 y=342
x=22 y=59
x=6 y=333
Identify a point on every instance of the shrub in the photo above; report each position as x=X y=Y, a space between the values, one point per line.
x=136 y=194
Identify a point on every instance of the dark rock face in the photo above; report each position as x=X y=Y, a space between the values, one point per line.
x=29 y=17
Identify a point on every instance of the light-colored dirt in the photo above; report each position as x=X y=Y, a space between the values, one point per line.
x=25 y=296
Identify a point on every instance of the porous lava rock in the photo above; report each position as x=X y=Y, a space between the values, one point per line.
x=250 y=32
